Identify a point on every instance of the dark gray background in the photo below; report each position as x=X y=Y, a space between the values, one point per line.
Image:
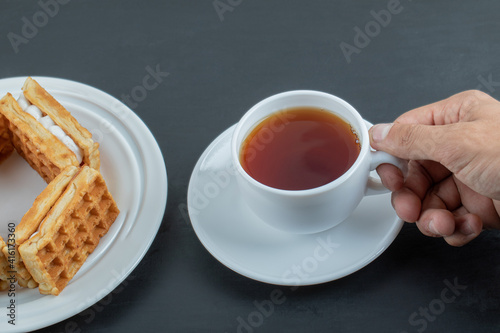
x=219 y=69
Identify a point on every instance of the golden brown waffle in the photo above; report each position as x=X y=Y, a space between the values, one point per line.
x=69 y=232
x=6 y=147
x=67 y=220
x=40 y=148
x=51 y=107
x=31 y=221
x=4 y=267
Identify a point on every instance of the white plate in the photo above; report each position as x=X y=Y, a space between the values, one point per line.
x=245 y=244
x=134 y=170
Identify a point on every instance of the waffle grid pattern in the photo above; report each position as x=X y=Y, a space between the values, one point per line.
x=27 y=149
x=77 y=237
x=5 y=144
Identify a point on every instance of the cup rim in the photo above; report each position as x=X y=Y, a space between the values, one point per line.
x=361 y=129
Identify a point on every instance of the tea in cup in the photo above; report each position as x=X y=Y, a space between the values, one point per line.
x=303 y=161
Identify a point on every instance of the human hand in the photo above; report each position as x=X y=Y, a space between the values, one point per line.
x=452 y=187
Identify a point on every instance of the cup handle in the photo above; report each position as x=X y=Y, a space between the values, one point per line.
x=374 y=185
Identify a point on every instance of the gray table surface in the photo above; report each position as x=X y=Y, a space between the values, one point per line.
x=224 y=56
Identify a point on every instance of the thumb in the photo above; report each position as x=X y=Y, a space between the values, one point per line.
x=409 y=141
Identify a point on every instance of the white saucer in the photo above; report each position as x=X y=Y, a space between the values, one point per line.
x=245 y=244
x=133 y=168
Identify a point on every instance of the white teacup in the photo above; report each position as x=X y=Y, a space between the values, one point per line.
x=317 y=209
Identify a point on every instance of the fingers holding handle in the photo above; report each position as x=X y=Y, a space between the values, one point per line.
x=374 y=185
x=377 y=158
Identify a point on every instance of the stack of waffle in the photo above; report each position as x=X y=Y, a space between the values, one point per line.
x=67 y=220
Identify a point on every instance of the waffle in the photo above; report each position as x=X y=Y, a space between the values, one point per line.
x=67 y=220
x=51 y=107
x=47 y=154
x=4 y=268
x=40 y=148
x=5 y=144
x=69 y=232
x=31 y=221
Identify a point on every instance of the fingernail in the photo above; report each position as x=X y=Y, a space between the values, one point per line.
x=467 y=229
x=432 y=228
x=380 y=131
